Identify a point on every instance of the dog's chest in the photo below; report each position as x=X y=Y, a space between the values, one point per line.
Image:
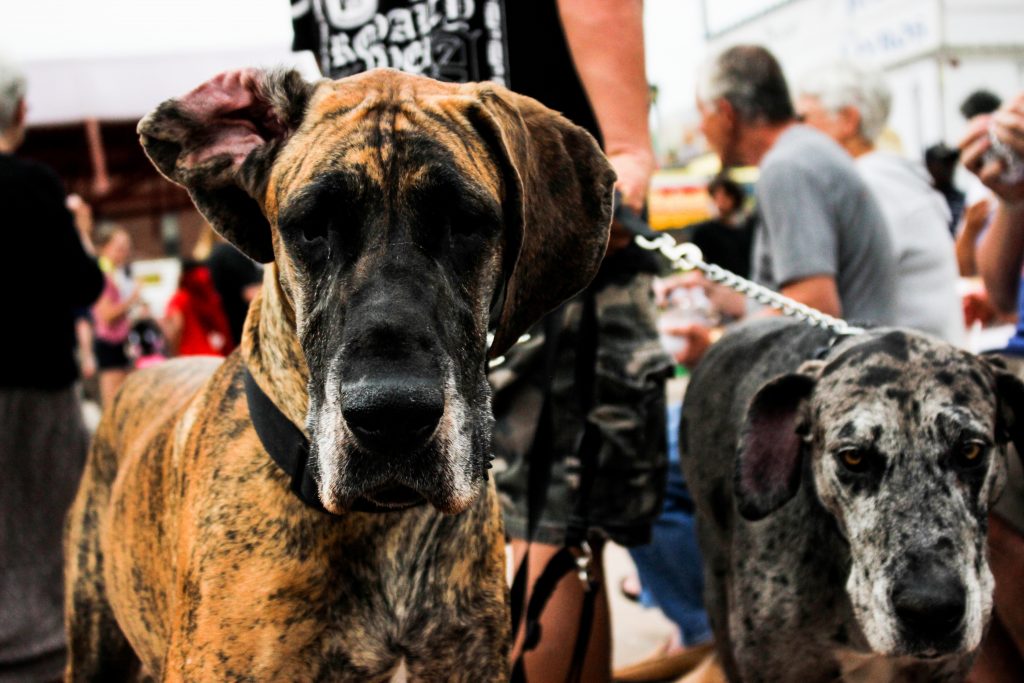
x=858 y=667
x=398 y=599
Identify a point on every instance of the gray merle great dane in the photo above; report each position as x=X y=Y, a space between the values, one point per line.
x=842 y=495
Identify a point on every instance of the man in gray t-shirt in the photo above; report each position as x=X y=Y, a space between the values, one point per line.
x=817 y=219
x=821 y=239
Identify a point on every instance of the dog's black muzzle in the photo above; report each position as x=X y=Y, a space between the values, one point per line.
x=393 y=415
x=930 y=602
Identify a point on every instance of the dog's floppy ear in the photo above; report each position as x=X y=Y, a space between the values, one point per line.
x=768 y=462
x=558 y=206
x=1009 y=401
x=219 y=141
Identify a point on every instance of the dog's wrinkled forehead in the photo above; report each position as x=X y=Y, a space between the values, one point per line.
x=907 y=376
x=391 y=134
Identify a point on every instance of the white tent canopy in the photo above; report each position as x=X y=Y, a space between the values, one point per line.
x=117 y=88
x=117 y=59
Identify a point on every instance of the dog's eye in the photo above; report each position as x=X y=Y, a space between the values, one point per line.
x=313 y=230
x=464 y=225
x=854 y=459
x=970 y=454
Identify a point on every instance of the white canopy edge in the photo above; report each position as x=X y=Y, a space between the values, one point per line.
x=121 y=89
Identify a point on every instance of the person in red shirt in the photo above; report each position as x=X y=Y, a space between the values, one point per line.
x=194 y=323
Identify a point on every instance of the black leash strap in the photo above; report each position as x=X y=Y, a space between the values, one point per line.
x=590 y=446
x=566 y=560
x=539 y=478
x=579 y=652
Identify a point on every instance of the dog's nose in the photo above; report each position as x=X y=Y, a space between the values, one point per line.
x=930 y=602
x=394 y=415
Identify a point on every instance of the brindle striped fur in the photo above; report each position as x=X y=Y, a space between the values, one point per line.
x=188 y=557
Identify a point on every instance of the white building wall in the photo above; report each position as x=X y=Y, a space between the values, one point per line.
x=984 y=22
x=934 y=52
x=916 y=112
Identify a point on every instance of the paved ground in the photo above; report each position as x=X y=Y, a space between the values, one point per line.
x=636 y=631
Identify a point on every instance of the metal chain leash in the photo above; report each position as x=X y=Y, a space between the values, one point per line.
x=687 y=256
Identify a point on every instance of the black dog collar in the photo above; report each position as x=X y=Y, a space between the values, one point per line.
x=289 y=448
x=822 y=352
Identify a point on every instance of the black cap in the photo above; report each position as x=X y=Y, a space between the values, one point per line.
x=941 y=153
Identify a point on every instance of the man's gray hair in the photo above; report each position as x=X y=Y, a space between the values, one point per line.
x=12 y=90
x=750 y=79
x=842 y=84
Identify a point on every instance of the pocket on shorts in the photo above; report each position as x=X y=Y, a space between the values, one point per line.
x=628 y=411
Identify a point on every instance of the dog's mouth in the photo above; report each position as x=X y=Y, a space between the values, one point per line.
x=395 y=497
x=934 y=650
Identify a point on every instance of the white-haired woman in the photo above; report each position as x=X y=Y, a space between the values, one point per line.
x=851 y=105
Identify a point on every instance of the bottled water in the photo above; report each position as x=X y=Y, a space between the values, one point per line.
x=686 y=306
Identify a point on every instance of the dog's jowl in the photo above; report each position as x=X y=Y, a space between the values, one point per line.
x=400 y=219
x=843 y=488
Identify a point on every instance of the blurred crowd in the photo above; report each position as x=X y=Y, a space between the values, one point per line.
x=836 y=221
x=857 y=231
x=204 y=316
x=85 y=316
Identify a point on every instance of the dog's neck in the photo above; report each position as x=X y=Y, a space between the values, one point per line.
x=270 y=347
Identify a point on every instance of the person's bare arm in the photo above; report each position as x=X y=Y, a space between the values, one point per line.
x=108 y=311
x=606 y=40
x=171 y=326
x=1001 y=251
x=817 y=291
x=86 y=356
x=1000 y=255
x=974 y=222
x=82 y=213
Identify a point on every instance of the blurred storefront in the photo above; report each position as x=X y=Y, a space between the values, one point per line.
x=83 y=113
x=679 y=198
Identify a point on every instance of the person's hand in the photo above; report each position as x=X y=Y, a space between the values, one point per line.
x=249 y=292
x=1008 y=125
x=698 y=338
x=664 y=286
x=726 y=301
x=633 y=168
x=81 y=212
x=133 y=298
x=80 y=209
x=977 y=308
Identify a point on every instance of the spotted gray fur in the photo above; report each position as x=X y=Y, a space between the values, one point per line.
x=815 y=567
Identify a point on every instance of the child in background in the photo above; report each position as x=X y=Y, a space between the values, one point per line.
x=146 y=343
x=195 y=323
x=112 y=311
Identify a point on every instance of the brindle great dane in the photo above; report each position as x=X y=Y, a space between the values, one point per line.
x=398 y=217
